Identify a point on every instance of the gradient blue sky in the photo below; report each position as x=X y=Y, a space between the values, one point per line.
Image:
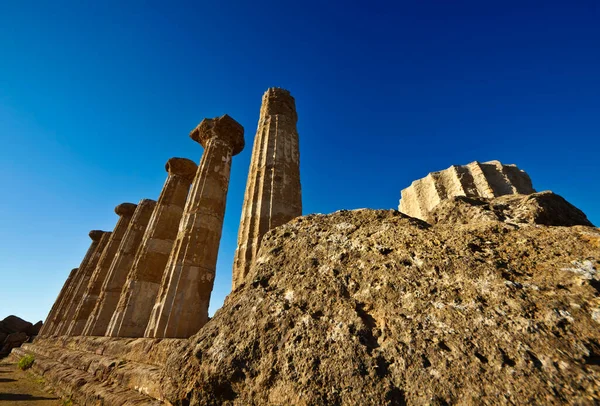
x=96 y=96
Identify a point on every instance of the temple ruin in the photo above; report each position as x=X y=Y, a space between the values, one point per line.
x=152 y=276
x=182 y=304
x=273 y=193
x=92 y=291
x=66 y=313
x=487 y=179
x=143 y=282
x=110 y=292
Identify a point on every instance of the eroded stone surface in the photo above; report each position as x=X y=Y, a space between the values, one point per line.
x=182 y=304
x=372 y=307
x=544 y=208
x=110 y=293
x=84 y=307
x=273 y=193
x=487 y=179
x=66 y=314
x=143 y=282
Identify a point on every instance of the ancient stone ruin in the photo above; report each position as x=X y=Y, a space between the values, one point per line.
x=482 y=291
x=143 y=282
x=182 y=304
x=487 y=179
x=273 y=194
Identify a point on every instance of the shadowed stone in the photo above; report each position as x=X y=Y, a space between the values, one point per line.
x=66 y=312
x=88 y=301
x=273 y=193
x=108 y=298
x=130 y=319
x=489 y=179
x=182 y=304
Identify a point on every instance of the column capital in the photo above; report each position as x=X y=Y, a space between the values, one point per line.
x=182 y=167
x=278 y=102
x=95 y=235
x=125 y=209
x=224 y=128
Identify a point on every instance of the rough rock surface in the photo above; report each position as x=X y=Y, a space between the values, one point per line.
x=544 y=208
x=374 y=307
x=14 y=331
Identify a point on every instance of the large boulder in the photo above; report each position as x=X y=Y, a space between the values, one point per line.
x=14 y=331
x=13 y=340
x=14 y=324
x=373 y=307
x=34 y=329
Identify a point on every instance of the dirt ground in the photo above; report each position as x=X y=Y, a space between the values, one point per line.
x=23 y=388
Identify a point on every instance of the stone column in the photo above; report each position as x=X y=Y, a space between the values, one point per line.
x=273 y=193
x=98 y=320
x=130 y=319
x=182 y=305
x=487 y=180
x=67 y=286
x=92 y=290
x=65 y=314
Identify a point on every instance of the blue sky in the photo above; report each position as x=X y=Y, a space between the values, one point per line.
x=96 y=96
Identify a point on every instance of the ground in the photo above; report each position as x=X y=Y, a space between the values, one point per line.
x=23 y=388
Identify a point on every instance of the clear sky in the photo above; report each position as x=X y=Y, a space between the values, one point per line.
x=95 y=96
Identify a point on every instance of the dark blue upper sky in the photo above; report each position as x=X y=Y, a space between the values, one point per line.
x=96 y=96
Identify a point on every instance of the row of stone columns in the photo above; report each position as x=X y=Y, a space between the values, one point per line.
x=143 y=282
x=154 y=273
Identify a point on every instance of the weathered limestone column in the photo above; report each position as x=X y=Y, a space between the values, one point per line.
x=86 y=269
x=89 y=298
x=67 y=286
x=116 y=276
x=273 y=193
x=488 y=179
x=182 y=305
x=130 y=319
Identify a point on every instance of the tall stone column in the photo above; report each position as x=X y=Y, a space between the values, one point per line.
x=89 y=298
x=98 y=320
x=182 y=305
x=130 y=319
x=273 y=193
x=67 y=286
x=65 y=314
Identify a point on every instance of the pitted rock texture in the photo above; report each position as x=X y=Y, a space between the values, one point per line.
x=544 y=208
x=372 y=307
x=488 y=180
